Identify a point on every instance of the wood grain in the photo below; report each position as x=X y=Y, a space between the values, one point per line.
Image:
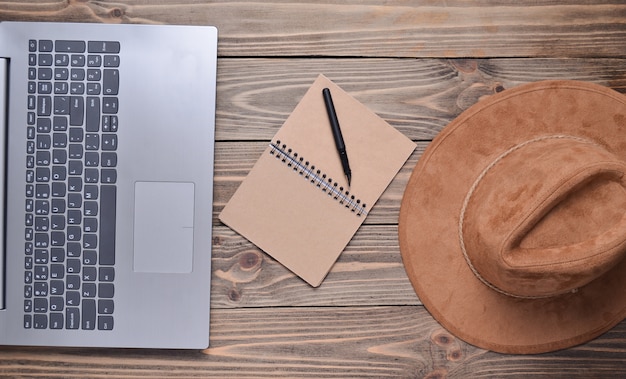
x=330 y=342
x=368 y=272
x=418 y=28
x=417 y=96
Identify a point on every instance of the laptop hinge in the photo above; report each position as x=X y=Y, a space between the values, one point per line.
x=4 y=110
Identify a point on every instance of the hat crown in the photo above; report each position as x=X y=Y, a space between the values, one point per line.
x=547 y=216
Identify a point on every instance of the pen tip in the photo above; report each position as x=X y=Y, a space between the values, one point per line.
x=349 y=178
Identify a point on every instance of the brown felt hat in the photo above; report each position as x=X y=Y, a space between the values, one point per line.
x=513 y=224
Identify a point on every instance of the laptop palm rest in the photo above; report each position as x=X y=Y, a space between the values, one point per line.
x=163 y=227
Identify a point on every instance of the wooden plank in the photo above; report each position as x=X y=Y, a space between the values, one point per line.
x=338 y=342
x=233 y=161
x=418 y=28
x=368 y=272
x=417 y=96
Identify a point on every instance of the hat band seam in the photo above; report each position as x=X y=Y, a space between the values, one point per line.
x=470 y=193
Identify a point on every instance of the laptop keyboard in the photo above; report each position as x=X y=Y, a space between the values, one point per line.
x=71 y=173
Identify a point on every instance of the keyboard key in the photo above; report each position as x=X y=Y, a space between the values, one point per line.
x=59 y=173
x=45 y=45
x=42 y=158
x=57 y=288
x=105 y=306
x=76 y=151
x=42 y=191
x=94 y=75
x=103 y=47
x=90 y=208
x=57 y=222
x=56 y=320
x=75 y=167
x=89 y=314
x=76 y=135
x=59 y=157
x=62 y=60
x=60 y=88
x=89 y=274
x=105 y=322
x=57 y=302
x=41 y=289
x=63 y=46
x=73 y=234
x=44 y=125
x=74 y=217
x=58 y=206
x=73 y=249
x=72 y=283
x=109 y=105
x=108 y=159
x=44 y=74
x=77 y=110
x=57 y=255
x=61 y=74
x=111 y=61
x=73 y=265
x=77 y=74
x=91 y=193
x=109 y=142
x=106 y=290
x=108 y=176
x=92 y=142
x=94 y=88
x=59 y=140
x=77 y=88
x=77 y=60
x=108 y=199
x=45 y=59
x=89 y=291
x=72 y=298
x=28 y=321
x=94 y=61
x=61 y=105
x=44 y=106
x=44 y=88
x=72 y=318
x=92 y=123
x=106 y=274
x=40 y=321
x=59 y=123
x=110 y=82
x=40 y=305
x=42 y=240
x=90 y=241
x=57 y=238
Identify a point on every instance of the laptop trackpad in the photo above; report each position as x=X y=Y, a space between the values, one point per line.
x=163 y=227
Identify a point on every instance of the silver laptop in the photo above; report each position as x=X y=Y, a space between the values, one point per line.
x=107 y=136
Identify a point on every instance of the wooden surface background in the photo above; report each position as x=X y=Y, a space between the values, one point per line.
x=418 y=64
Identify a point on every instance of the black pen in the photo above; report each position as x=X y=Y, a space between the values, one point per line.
x=334 y=125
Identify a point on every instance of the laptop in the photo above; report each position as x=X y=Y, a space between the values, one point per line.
x=107 y=139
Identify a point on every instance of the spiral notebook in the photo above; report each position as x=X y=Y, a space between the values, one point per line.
x=295 y=204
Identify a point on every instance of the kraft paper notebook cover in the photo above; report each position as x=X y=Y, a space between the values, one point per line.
x=295 y=203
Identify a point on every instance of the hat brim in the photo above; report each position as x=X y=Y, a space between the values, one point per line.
x=432 y=202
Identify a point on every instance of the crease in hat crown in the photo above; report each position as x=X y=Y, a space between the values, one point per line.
x=558 y=166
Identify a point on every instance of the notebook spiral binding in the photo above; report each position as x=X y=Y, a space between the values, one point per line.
x=317 y=178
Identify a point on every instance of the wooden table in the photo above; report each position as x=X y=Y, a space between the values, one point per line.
x=418 y=64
